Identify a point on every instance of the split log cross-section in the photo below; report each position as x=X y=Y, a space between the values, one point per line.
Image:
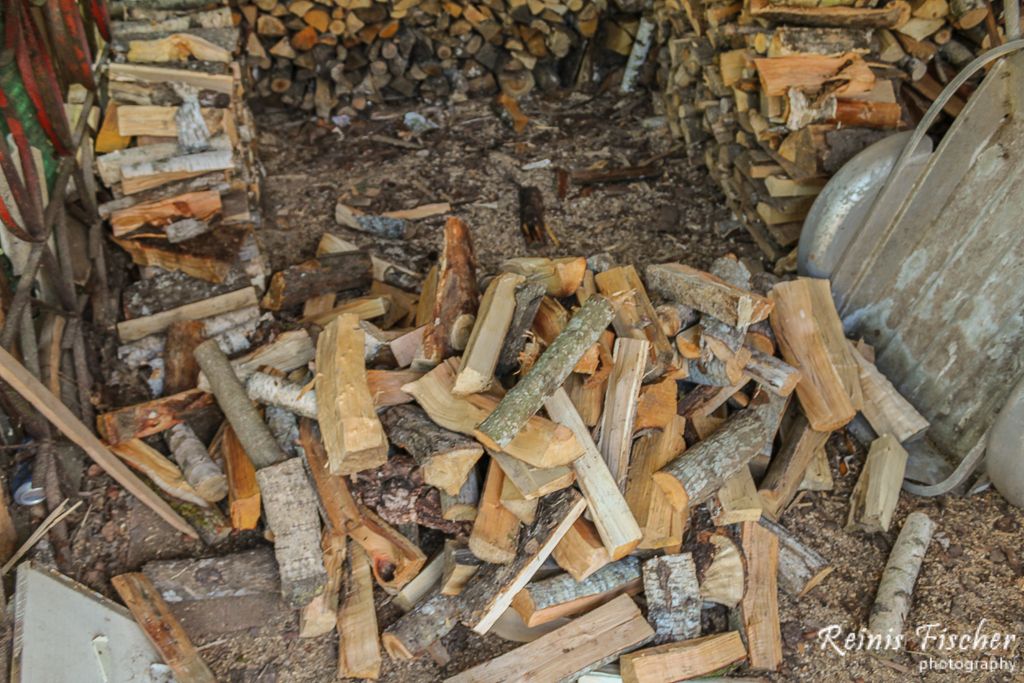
x=352 y=431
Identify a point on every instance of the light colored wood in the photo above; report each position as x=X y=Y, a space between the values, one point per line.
x=444 y=457
x=612 y=516
x=636 y=317
x=821 y=391
x=818 y=475
x=760 y=607
x=160 y=470
x=420 y=586
x=620 y=404
x=145 y=73
x=810 y=72
x=896 y=589
x=831 y=328
x=513 y=500
x=178 y=47
x=562 y=596
x=723 y=580
x=786 y=470
x=580 y=645
x=159 y=121
x=243 y=491
x=580 y=551
x=289 y=350
x=650 y=505
x=151 y=417
x=456 y=294
x=657 y=405
x=108 y=139
x=137 y=328
x=363 y=308
x=51 y=407
x=682 y=660
x=205 y=476
x=492 y=324
x=874 y=498
x=737 y=501
x=884 y=407
x=358 y=640
x=534 y=482
x=460 y=564
x=165 y=632
x=352 y=431
x=320 y=616
x=495 y=532
x=708 y=294
x=561 y=276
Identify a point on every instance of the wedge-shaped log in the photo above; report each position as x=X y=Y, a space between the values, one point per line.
x=682 y=660
x=495 y=534
x=460 y=564
x=565 y=653
x=320 y=616
x=620 y=405
x=201 y=205
x=493 y=320
x=352 y=431
x=884 y=407
x=165 y=474
x=636 y=318
x=874 y=498
x=563 y=596
x=581 y=552
x=561 y=277
x=800 y=567
x=786 y=470
x=151 y=417
x=454 y=304
x=708 y=294
x=445 y=457
x=358 y=640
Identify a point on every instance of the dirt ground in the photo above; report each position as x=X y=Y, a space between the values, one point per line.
x=973 y=573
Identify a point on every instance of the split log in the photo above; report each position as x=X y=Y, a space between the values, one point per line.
x=540 y=443
x=243 y=491
x=200 y=471
x=201 y=205
x=561 y=277
x=162 y=472
x=460 y=564
x=384 y=271
x=528 y=297
x=581 y=552
x=801 y=569
x=320 y=616
x=548 y=373
x=895 y=590
x=492 y=590
x=759 y=608
x=620 y=403
x=272 y=390
x=430 y=620
x=708 y=294
x=513 y=500
x=291 y=513
x=290 y=350
x=252 y=432
x=562 y=596
x=358 y=642
x=495 y=532
x=651 y=506
x=772 y=373
x=657 y=405
x=137 y=328
x=445 y=457
x=493 y=320
x=178 y=47
x=737 y=500
x=414 y=592
x=583 y=644
x=823 y=396
x=685 y=659
x=162 y=629
x=884 y=407
x=463 y=506
x=327 y=273
x=874 y=498
x=533 y=482
x=394 y=559
x=152 y=417
x=615 y=523
x=352 y=432
x=456 y=296
x=673 y=597
x=181 y=371
x=786 y=470
x=818 y=475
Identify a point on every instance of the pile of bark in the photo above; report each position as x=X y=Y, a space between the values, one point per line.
x=346 y=55
x=779 y=95
x=605 y=459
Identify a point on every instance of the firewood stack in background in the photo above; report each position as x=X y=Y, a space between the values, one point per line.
x=778 y=95
x=347 y=54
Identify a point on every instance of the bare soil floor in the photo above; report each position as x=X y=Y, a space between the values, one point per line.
x=974 y=570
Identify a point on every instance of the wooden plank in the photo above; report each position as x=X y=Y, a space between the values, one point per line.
x=683 y=660
x=760 y=605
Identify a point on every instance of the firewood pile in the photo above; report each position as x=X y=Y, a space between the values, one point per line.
x=779 y=95
x=608 y=455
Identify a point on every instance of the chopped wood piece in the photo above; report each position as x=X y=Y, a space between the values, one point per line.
x=352 y=432
x=460 y=564
x=810 y=72
x=723 y=577
x=320 y=616
x=534 y=482
x=683 y=660
x=884 y=407
x=759 y=608
x=417 y=589
x=561 y=277
x=291 y=513
x=547 y=374
x=737 y=501
x=181 y=371
x=394 y=559
x=528 y=298
x=162 y=472
x=252 y=432
x=581 y=645
x=563 y=596
x=772 y=373
x=513 y=500
x=615 y=523
x=800 y=567
x=496 y=530
x=795 y=320
x=462 y=507
x=137 y=328
x=445 y=457
x=152 y=417
x=243 y=491
x=162 y=629
x=358 y=640
x=290 y=350
x=540 y=443
x=708 y=294
x=786 y=470
x=650 y=505
x=456 y=294
x=581 y=552
x=492 y=325
x=818 y=475
x=673 y=597
x=620 y=403
x=495 y=585
x=896 y=589
x=877 y=491
x=636 y=318
x=201 y=205
x=426 y=623
x=200 y=471
x=657 y=405
x=327 y=273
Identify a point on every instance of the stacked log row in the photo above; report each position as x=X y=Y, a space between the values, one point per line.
x=357 y=52
x=778 y=96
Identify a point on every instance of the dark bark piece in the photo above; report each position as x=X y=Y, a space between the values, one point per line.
x=456 y=295
x=172 y=289
x=328 y=273
x=673 y=597
x=429 y=621
x=531 y=216
x=152 y=417
x=445 y=457
x=181 y=371
x=528 y=298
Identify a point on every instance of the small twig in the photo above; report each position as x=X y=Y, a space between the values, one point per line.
x=53 y=518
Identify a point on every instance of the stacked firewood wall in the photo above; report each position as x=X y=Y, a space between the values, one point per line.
x=778 y=96
x=352 y=53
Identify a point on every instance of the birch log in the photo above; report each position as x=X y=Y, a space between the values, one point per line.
x=892 y=602
x=205 y=476
x=673 y=597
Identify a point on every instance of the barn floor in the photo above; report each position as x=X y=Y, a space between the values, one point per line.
x=974 y=570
